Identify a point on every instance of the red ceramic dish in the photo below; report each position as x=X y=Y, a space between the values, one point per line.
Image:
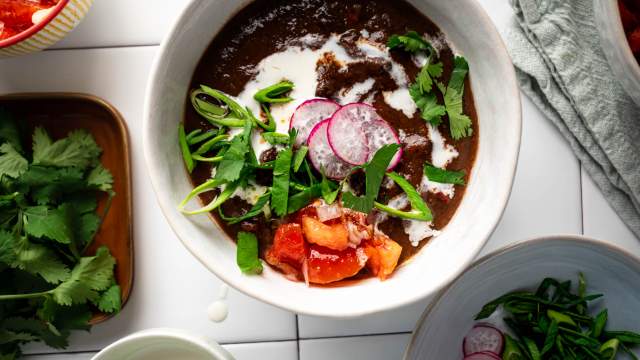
x=35 y=27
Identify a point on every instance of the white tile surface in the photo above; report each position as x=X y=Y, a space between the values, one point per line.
x=124 y=22
x=171 y=289
x=601 y=221
x=282 y=350
x=382 y=347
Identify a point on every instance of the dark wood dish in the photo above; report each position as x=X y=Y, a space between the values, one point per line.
x=59 y=113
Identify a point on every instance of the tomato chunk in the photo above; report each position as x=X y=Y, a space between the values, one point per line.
x=383 y=255
x=326 y=265
x=334 y=236
x=289 y=249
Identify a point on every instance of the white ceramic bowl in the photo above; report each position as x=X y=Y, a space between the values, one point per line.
x=498 y=104
x=616 y=47
x=608 y=270
x=154 y=344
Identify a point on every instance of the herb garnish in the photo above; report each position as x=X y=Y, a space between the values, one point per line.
x=419 y=208
x=459 y=123
x=48 y=218
x=274 y=93
x=224 y=112
x=280 y=188
x=234 y=159
x=410 y=42
x=275 y=138
x=444 y=176
x=247 y=254
x=375 y=171
x=553 y=323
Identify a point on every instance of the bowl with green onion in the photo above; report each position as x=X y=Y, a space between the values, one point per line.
x=497 y=101
x=558 y=297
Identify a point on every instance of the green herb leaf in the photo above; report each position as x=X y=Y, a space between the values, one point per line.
x=11 y=162
x=303 y=198
x=247 y=254
x=184 y=147
x=20 y=253
x=411 y=42
x=90 y=276
x=274 y=93
x=275 y=138
x=9 y=131
x=77 y=149
x=234 y=159
x=425 y=77
x=444 y=176
x=111 y=300
x=430 y=110
x=419 y=208
x=459 y=123
x=100 y=178
x=375 y=171
x=330 y=190
x=54 y=224
x=299 y=158
x=280 y=188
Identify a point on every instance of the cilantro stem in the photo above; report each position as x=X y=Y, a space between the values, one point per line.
x=215 y=159
x=410 y=215
x=184 y=147
x=210 y=144
x=24 y=296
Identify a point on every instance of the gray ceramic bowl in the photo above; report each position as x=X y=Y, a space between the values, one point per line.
x=608 y=270
x=616 y=48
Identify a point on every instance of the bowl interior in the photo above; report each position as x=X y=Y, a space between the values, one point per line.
x=608 y=270
x=498 y=104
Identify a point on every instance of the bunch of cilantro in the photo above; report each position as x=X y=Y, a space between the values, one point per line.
x=48 y=219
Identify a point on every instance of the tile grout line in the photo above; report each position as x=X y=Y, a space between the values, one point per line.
x=356 y=336
x=298 y=336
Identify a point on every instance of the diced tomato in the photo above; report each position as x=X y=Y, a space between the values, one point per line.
x=383 y=255
x=334 y=236
x=289 y=249
x=326 y=265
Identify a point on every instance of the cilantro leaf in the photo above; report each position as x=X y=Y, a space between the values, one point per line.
x=330 y=190
x=460 y=125
x=100 y=178
x=419 y=208
x=77 y=149
x=410 y=42
x=9 y=131
x=20 y=253
x=375 y=171
x=48 y=184
x=11 y=162
x=234 y=160
x=91 y=275
x=110 y=300
x=444 y=176
x=303 y=198
x=46 y=332
x=426 y=75
x=430 y=110
x=281 y=176
x=54 y=224
x=247 y=254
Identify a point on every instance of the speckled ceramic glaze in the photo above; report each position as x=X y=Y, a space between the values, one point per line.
x=608 y=270
x=497 y=100
x=616 y=47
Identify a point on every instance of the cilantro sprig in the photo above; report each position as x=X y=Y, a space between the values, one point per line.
x=410 y=42
x=48 y=219
x=460 y=125
x=444 y=176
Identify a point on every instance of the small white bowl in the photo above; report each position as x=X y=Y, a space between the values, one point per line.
x=608 y=270
x=616 y=47
x=497 y=100
x=157 y=344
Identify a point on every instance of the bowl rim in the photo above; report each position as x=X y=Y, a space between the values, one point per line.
x=510 y=83
x=576 y=239
x=33 y=29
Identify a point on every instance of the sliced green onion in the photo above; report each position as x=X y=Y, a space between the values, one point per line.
x=420 y=210
x=273 y=94
x=233 y=116
x=197 y=139
x=204 y=148
x=215 y=203
x=193 y=134
x=215 y=159
x=270 y=126
x=184 y=147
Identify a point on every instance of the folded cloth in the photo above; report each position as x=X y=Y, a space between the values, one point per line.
x=561 y=66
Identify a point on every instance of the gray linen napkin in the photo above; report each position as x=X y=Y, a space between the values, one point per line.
x=560 y=64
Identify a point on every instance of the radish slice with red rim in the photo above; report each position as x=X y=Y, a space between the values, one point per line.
x=346 y=135
x=483 y=355
x=322 y=156
x=379 y=133
x=308 y=115
x=483 y=338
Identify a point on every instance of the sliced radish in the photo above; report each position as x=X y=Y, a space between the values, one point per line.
x=483 y=338
x=379 y=133
x=484 y=355
x=346 y=134
x=308 y=115
x=321 y=155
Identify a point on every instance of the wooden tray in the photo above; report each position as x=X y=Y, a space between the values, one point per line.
x=59 y=113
